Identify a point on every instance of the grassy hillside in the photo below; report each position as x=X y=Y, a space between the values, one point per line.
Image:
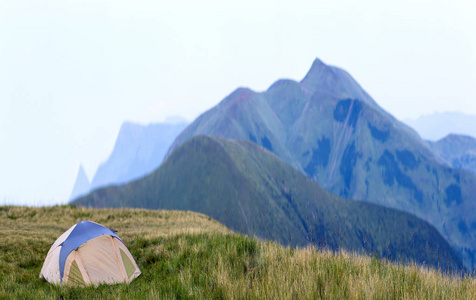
x=207 y=261
x=252 y=191
x=327 y=127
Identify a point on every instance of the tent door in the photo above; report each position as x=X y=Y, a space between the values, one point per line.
x=76 y=273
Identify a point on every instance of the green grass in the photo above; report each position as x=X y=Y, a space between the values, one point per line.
x=207 y=261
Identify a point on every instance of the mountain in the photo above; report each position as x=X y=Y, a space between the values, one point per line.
x=82 y=185
x=252 y=191
x=328 y=128
x=138 y=151
x=459 y=151
x=440 y=124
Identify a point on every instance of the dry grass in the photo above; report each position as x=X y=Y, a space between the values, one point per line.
x=147 y=222
x=310 y=273
x=208 y=261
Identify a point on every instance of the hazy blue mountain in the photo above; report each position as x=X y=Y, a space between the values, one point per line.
x=252 y=191
x=82 y=185
x=438 y=125
x=327 y=127
x=459 y=151
x=139 y=150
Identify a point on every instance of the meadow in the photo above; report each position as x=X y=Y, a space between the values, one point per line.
x=207 y=261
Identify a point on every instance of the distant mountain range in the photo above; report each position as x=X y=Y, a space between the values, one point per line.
x=451 y=136
x=253 y=191
x=459 y=151
x=327 y=127
x=440 y=124
x=139 y=150
x=82 y=185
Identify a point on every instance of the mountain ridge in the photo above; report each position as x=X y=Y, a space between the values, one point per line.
x=253 y=191
x=458 y=151
x=138 y=150
x=437 y=125
x=330 y=129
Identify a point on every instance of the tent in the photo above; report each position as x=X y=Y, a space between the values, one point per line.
x=89 y=253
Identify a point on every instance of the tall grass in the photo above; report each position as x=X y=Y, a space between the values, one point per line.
x=207 y=261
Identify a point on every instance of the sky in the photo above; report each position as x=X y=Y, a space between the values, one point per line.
x=72 y=71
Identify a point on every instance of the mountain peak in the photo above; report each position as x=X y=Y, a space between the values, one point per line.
x=316 y=67
x=455 y=136
x=238 y=95
x=317 y=63
x=242 y=92
x=334 y=81
x=330 y=79
x=82 y=184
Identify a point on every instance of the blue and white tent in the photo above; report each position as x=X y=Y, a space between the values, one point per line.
x=89 y=253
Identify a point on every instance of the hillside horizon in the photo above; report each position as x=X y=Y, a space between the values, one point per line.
x=252 y=191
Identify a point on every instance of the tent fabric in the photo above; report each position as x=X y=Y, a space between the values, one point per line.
x=128 y=265
x=50 y=270
x=100 y=257
x=62 y=237
x=89 y=253
x=75 y=275
x=71 y=278
x=122 y=248
x=83 y=232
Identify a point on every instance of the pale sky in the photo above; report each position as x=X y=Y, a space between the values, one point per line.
x=72 y=71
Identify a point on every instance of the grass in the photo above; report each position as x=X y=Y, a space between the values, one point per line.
x=207 y=261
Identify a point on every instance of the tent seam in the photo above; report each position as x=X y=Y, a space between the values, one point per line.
x=117 y=258
x=79 y=261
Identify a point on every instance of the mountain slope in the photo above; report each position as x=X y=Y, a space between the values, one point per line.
x=81 y=185
x=253 y=191
x=138 y=151
x=459 y=151
x=440 y=124
x=330 y=129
